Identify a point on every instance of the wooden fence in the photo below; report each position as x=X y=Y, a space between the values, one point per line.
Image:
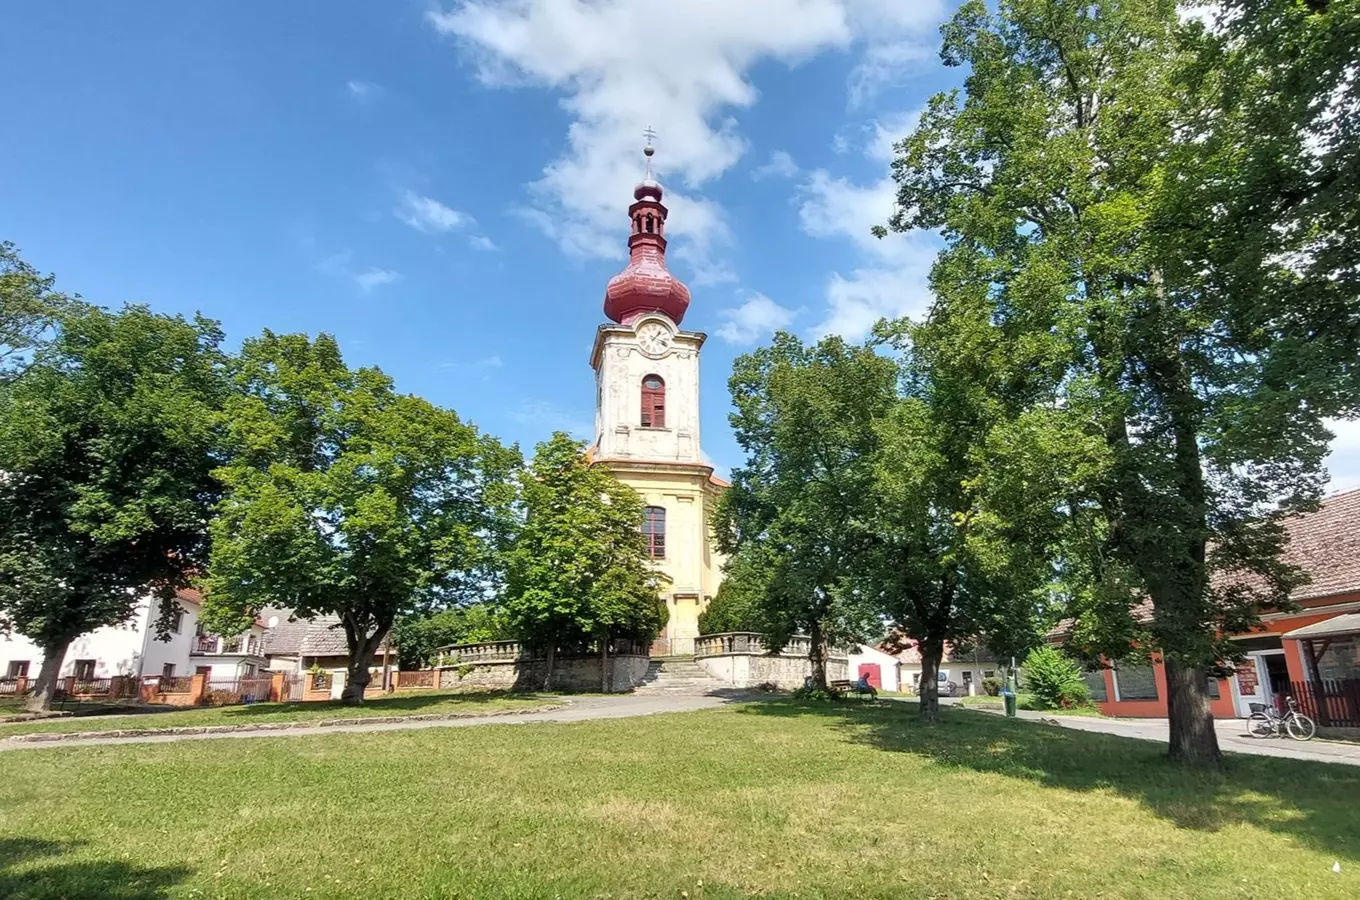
x=1330 y=703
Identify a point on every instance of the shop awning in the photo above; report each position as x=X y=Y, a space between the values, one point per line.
x=1328 y=628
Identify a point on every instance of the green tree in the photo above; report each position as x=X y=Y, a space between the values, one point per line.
x=1069 y=181
x=350 y=499
x=805 y=418
x=418 y=637
x=739 y=602
x=579 y=572
x=107 y=447
x=961 y=481
x=28 y=310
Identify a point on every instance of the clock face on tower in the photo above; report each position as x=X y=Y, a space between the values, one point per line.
x=654 y=339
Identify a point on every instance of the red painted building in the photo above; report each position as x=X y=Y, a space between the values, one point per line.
x=1316 y=646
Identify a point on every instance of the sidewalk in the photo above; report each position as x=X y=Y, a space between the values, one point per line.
x=1232 y=737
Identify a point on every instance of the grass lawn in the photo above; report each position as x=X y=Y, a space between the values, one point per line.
x=771 y=799
x=410 y=703
x=1027 y=702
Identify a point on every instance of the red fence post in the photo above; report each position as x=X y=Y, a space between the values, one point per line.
x=197 y=689
x=21 y=685
x=276 y=686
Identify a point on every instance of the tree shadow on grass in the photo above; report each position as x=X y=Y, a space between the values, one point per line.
x=35 y=870
x=1315 y=803
x=390 y=705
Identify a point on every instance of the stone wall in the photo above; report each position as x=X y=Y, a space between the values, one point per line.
x=570 y=674
x=741 y=660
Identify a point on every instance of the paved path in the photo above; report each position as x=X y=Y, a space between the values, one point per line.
x=581 y=709
x=1232 y=737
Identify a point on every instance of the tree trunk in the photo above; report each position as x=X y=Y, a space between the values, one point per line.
x=40 y=695
x=604 y=665
x=1193 y=739
x=928 y=689
x=552 y=654
x=817 y=656
x=357 y=676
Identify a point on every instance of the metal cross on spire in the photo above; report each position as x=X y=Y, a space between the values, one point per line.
x=647 y=151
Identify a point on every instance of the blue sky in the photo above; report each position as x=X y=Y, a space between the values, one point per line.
x=443 y=186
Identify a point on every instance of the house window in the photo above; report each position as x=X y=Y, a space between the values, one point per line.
x=168 y=670
x=17 y=669
x=177 y=621
x=1211 y=686
x=654 y=527
x=1095 y=685
x=989 y=673
x=653 y=402
x=84 y=669
x=967 y=677
x=1135 y=683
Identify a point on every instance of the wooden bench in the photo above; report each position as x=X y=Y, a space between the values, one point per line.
x=846 y=686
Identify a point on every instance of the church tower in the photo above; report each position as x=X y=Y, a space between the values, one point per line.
x=647 y=417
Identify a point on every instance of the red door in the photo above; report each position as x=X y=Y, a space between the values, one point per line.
x=872 y=673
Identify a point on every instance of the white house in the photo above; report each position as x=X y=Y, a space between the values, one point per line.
x=883 y=670
x=135 y=649
x=902 y=670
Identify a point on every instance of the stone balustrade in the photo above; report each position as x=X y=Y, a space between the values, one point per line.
x=511 y=651
x=745 y=659
x=751 y=642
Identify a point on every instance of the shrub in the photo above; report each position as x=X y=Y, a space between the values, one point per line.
x=1055 y=680
x=812 y=692
x=992 y=686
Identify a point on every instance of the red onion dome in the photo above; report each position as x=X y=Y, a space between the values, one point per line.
x=645 y=285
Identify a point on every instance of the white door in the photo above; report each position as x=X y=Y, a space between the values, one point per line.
x=1249 y=684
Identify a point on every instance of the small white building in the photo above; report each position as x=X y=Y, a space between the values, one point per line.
x=882 y=669
x=135 y=649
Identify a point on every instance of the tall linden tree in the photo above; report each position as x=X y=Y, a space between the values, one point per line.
x=348 y=498
x=1084 y=182
x=108 y=442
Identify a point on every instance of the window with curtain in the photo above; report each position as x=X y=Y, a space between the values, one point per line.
x=1095 y=684
x=653 y=402
x=654 y=527
x=1135 y=682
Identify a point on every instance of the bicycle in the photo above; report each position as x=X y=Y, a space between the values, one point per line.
x=1267 y=721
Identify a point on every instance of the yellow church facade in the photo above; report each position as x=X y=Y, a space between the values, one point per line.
x=647 y=419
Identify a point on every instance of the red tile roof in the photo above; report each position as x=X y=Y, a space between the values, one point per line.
x=1326 y=545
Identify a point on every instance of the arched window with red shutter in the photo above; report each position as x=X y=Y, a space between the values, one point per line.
x=653 y=402
x=654 y=529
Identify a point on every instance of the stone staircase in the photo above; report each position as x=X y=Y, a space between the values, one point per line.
x=676 y=675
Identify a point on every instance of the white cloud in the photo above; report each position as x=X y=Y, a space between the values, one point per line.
x=867 y=295
x=549 y=417
x=428 y=214
x=894 y=280
x=758 y=317
x=363 y=92
x=622 y=65
x=483 y=243
x=373 y=277
x=887 y=131
x=781 y=165
x=884 y=66
x=341 y=265
x=477 y=365
x=1343 y=464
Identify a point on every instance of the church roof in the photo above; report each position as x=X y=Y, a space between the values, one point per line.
x=645 y=285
